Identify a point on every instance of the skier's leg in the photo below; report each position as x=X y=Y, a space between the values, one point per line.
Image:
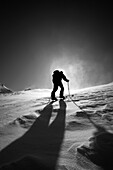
x=55 y=88
x=62 y=90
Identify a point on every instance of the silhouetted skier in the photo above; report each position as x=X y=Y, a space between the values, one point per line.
x=57 y=81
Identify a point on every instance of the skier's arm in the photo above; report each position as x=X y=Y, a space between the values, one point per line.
x=64 y=78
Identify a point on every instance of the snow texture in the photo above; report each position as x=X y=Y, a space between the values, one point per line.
x=37 y=134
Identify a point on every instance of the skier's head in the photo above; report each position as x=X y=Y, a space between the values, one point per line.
x=56 y=72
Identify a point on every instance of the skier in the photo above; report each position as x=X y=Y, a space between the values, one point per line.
x=57 y=81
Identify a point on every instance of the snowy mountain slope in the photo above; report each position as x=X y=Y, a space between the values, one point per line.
x=20 y=111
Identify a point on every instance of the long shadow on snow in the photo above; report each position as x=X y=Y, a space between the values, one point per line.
x=39 y=147
x=100 y=150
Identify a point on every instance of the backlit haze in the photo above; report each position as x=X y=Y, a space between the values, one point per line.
x=38 y=38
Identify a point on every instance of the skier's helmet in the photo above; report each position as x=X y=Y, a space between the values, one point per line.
x=56 y=72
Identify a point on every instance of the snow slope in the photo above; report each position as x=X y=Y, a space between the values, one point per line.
x=47 y=136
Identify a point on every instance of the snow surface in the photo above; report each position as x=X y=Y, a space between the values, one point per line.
x=22 y=126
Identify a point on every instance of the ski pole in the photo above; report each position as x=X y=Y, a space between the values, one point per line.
x=71 y=98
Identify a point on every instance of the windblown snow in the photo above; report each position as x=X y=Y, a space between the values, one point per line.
x=19 y=112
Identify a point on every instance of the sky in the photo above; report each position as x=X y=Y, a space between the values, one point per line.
x=37 y=38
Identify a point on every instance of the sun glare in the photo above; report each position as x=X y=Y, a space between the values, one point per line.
x=73 y=70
